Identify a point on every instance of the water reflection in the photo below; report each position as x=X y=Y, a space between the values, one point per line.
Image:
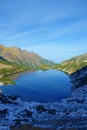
x=18 y=75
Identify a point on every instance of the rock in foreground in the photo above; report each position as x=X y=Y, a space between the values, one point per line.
x=70 y=113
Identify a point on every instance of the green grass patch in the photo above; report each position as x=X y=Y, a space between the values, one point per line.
x=6 y=81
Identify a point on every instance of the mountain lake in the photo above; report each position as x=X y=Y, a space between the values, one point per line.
x=40 y=86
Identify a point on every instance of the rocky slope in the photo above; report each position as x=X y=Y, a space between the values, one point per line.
x=67 y=114
x=23 y=57
x=79 y=78
x=73 y=64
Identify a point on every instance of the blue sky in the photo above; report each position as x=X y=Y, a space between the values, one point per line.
x=55 y=29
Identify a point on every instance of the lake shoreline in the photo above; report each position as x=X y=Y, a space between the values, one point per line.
x=60 y=114
x=67 y=113
x=25 y=71
x=54 y=77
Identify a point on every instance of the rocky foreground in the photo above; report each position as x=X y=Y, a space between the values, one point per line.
x=67 y=114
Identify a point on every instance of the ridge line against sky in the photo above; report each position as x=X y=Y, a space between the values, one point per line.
x=56 y=30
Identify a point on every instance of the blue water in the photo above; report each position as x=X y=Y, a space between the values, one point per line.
x=41 y=86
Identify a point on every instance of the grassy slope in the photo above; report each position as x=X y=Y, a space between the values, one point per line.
x=14 y=60
x=23 y=57
x=73 y=64
x=7 y=68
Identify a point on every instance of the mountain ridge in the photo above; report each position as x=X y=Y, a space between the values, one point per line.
x=23 y=57
x=72 y=65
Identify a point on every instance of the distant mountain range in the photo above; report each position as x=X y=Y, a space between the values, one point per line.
x=73 y=64
x=23 y=57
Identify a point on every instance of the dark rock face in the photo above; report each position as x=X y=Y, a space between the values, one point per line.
x=41 y=109
x=79 y=78
x=5 y=99
x=3 y=113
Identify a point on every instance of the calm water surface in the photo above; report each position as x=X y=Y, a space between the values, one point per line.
x=41 y=86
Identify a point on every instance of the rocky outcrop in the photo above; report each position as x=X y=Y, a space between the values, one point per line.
x=79 y=78
x=70 y=113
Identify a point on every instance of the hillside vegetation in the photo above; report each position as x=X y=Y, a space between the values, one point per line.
x=72 y=65
x=7 y=68
x=14 y=60
x=23 y=57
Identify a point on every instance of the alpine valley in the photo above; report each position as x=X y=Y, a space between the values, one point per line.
x=66 y=114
